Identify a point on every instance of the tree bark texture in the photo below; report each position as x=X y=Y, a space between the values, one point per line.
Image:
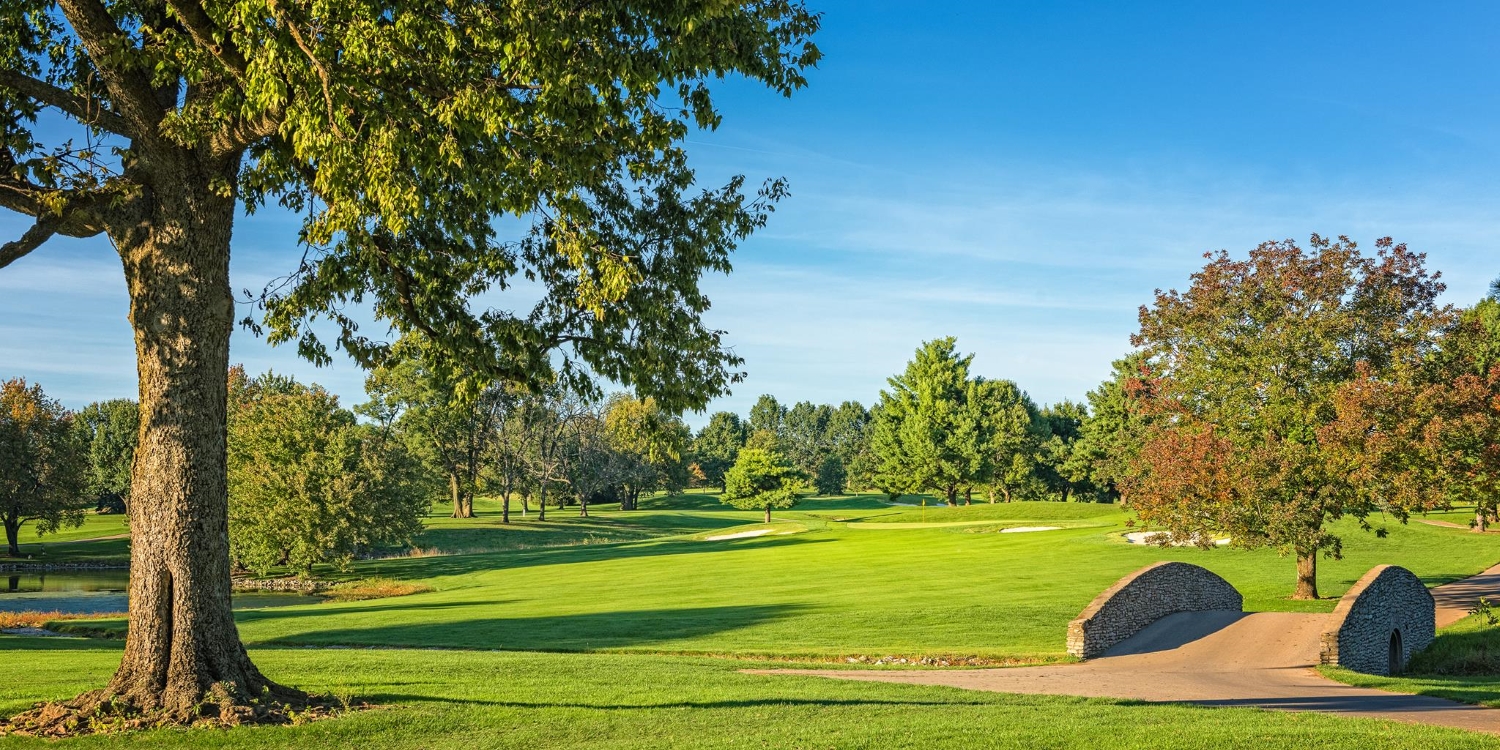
x=13 y=536
x=1481 y=522
x=1307 y=576
x=768 y=514
x=182 y=647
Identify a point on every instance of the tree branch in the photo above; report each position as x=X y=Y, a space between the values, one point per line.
x=40 y=232
x=83 y=110
x=77 y=217
x=134 y=98
x=201 y=28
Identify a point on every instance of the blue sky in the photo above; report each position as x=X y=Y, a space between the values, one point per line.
x=1021 y=176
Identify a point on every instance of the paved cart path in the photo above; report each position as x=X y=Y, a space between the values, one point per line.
x=1258 y=659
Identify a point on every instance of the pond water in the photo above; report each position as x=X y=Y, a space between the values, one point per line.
x=89 y=592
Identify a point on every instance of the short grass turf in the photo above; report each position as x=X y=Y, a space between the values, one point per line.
x=839 y=587
x=854 y=576
x=473 y=700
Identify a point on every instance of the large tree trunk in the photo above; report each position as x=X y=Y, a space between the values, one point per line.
x=968 y=496
x=13 y=536
x=1481 y=522
x=1307 y=576
x=458 y=497
x=505 y=506
x=768 y=514
x=541 y=506
x=182 y=651
x=951 y=493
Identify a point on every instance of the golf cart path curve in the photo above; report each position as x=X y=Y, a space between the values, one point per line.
x=1253 y=659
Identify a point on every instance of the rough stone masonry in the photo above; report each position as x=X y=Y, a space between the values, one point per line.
x=1385 y=618
x=1143 y=597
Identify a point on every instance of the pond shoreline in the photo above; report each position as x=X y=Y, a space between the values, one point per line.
x=60 y=567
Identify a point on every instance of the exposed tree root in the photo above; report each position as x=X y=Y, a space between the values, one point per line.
x=99 y=712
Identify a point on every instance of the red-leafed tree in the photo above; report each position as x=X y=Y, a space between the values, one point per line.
x=1249 y=364
x=1430 y=438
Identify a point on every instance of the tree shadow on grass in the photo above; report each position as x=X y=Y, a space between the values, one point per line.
x=450 y=565
x=592 y=631
x=329 y=610
x=746 y=703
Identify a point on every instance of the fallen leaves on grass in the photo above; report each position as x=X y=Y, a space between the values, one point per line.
x=17 y=620
x=101 y=713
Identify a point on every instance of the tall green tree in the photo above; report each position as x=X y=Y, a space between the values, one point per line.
x=764 y=480
x=1111 y=436
x=804 y=431
x=930 y=432
x=1248 y=366
x=768 y=416
x=406 y=137
x=108 y=430
x=718 y=444
x=309 y=485
x=42 y=463
x=449 y=428
x=1063 y=423
x=848 y=437
x=656 y=442
x=1013 y=435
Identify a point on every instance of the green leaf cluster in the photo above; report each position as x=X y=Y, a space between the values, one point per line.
x=309 y=485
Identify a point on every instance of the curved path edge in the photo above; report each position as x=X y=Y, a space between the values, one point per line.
x=1224 y=659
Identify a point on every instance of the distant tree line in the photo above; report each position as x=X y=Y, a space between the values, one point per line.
x=1275 y=395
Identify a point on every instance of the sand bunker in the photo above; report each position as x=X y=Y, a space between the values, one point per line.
x=1154 y=537
x=1024 y=529
x=738 y=535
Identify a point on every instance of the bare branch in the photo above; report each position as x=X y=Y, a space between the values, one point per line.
x=83 y=110
x=130 y=88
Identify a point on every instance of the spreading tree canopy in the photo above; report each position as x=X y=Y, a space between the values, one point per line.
x=409 y=137
x=1248 y=365
x=763 y=480
x=310 y=485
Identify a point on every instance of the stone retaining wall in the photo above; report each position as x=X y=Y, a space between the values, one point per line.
x=60 y=567
x=281 y=584
x=1388 y=616
x=1143 y=597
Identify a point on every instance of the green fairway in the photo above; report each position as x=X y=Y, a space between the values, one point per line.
x=834 y=589
x=526 y=700
x=834 y=578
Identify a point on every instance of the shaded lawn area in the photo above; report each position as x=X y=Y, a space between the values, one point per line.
x=437 y=699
